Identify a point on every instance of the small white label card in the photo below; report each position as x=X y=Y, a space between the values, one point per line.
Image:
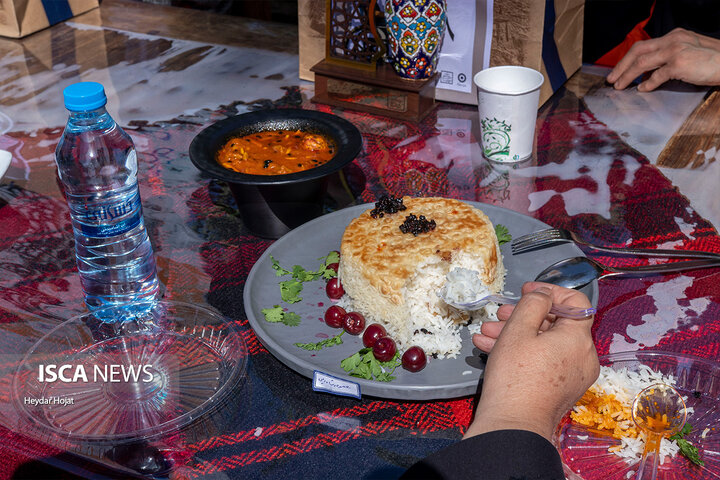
x=322 y=382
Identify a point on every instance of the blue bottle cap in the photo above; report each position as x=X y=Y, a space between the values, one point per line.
x=84 y=96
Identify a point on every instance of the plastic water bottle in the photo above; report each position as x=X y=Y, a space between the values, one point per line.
x=97 y=165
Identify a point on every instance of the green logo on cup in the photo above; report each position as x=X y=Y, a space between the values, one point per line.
x=495 y=138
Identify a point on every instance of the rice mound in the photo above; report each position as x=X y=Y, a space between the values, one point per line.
x=398 y=287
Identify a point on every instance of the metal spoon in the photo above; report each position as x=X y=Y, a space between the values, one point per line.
x=577 y=272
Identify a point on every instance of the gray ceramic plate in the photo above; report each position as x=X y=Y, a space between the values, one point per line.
x=447 y=378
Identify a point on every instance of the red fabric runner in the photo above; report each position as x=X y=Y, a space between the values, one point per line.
x=282 y=428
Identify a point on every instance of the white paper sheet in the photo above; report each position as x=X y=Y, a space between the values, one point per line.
x=456 y=55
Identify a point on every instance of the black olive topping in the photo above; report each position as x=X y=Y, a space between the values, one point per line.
x=387 y=205
x=417 y=225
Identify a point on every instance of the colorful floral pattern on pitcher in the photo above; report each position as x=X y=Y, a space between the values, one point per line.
x=415 y=33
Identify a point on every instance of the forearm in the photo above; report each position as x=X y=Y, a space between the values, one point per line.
x=489 y=422
x=708 y=42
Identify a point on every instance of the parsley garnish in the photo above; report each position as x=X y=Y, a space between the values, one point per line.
x=363 y=364
x=277 y=315
x=300 y=274
x=289 y=291
x=328 y=342
x=330 y=258
x=687 y=449
x=291 y=319
x=502 y=233
x=279 y=271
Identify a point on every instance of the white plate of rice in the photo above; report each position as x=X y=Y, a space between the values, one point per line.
x=590 y=455
x=441 y=378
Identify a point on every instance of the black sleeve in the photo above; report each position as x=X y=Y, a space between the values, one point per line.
x=607 y=22
x=700 y=16
x=498 y=455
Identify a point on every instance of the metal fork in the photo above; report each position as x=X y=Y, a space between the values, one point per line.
x=551 y=236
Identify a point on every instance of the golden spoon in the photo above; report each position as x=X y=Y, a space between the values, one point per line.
x=660 y=412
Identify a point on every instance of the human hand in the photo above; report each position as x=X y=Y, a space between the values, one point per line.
x=678 y=55
x=538 y=367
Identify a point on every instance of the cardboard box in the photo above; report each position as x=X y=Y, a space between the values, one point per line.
x=546 y=35
x=19 y=18
x=311 y=28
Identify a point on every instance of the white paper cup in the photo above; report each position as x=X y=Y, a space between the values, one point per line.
x=508 y=98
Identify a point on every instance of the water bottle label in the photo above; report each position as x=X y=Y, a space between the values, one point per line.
x=108 y=220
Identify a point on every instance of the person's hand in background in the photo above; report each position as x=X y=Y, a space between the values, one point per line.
x=538 y=366
x=679 y=55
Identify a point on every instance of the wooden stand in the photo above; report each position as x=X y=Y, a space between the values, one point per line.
x=381 y=91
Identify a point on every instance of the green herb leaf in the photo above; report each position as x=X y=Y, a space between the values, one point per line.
x=375 y=368
x=302 y=275
x=690 y=451
x=502 y=233
x=328 y=342
x=277 y=315
x=687 y=428
x=388 y=368
x=368 y=355
x=687 y=449
x=363 y=364
x=362 y=371
x=329 y=273
x=384 y=377
x=289 y=291
x=279 y=271
x=274 y=314
x=325 y=272
x=332 y=257
x=351 y=363
x=291 y=319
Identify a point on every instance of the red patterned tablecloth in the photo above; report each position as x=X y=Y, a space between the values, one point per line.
x=584 y=178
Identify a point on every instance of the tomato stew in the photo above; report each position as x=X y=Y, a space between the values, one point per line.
x=276 y=152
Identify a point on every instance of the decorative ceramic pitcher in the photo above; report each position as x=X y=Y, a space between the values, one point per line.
x=415 y=33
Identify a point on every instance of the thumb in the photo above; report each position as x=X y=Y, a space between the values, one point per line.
x=529 y=313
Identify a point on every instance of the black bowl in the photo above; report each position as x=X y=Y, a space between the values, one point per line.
x=272 y=205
